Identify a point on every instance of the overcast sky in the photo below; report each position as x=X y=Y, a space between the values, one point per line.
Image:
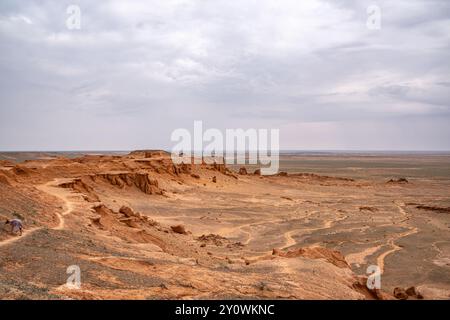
x=137 y=70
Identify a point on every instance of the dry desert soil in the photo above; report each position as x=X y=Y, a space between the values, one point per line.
x=140 y=227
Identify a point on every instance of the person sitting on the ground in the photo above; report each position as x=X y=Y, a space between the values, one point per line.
x=16 y=226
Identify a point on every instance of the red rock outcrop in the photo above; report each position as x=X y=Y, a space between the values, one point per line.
x=179 y=229
x=142 y=181
x=21 y=170
x=243 y=171
x=398 y=181
x=332 y=256
x=434 y=208
x=128 y=212
x=80 y=186
x=220 y=167
x=149 y=153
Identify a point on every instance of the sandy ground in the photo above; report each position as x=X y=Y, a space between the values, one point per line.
x=298 y=236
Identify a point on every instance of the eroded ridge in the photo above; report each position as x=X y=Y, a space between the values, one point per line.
x=139 y=226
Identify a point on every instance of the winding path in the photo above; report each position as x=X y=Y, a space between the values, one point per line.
x=395 y=247
x=25 y=234
x=361 y=257
x=52 y=189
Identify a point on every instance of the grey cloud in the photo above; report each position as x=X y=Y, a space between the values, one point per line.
x=139 y=69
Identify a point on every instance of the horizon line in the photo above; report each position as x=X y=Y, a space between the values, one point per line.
x=239 y=151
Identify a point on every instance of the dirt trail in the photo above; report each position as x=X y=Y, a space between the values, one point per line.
x=25 y=234
x=63 y=194
x=289 y=240
x=391 y=241
x=361 y=257
x=52 y=189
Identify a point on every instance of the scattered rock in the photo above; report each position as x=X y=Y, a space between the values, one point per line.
x=411 y=291
x=103 y=210
x=185 y=168
x=434 y=208
x=283 y=174
x=400 y=294
x=361 y=286
x=399 y=180
x=80 y=186
x=179 y=229
x=21 y=170
x=212 y=238
x=141 y=180
x=234 y=245
x=321 y=178
x=196 y=176
x=214 y=179
x=257 y=172
x=366 y=208
x=127 y=211
x=332 y=256
x=243 y=171
x=220 y=167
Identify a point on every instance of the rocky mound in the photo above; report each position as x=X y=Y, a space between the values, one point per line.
x=316 y=177
x=211 y=238
x=125 y=224
x=332 y=256
x=398 y=181
x=367 y=208
x=141 y=180
x=149 y=153
x=21 y=170
x=179 y=229
x=409 y=293
x=80 y=186
x=434 y=208
x=6 y=163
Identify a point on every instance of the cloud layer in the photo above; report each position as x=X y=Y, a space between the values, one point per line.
x=137 y=70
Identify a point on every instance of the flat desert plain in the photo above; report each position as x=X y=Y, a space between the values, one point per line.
x=137 y=226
